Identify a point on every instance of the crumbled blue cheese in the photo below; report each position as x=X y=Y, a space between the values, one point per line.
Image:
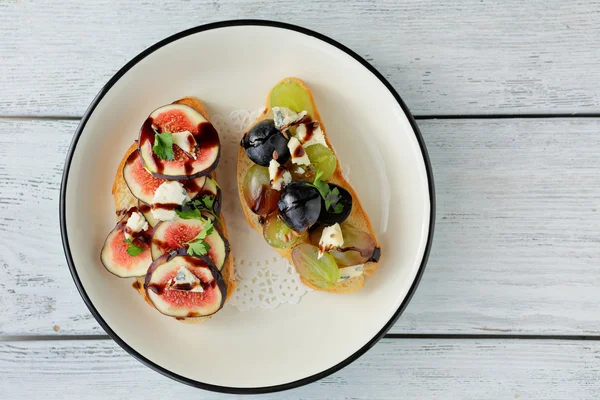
x=299 y=156
x=186 y=142
x=185 y=278
x=351 y=272
x=279 y=175
x=135 y=223
x=331 y=238
x=316 y=136
x=170 y=192
x=283 y=116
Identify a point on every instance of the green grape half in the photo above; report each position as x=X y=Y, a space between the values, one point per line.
x=323 y=159
x=277 y=233
x=258 y=194
x=358 y=246
x=293 y=96
x=321 y=272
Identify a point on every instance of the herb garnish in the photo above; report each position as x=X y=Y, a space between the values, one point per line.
x=332 y=197
x=132 y=249
x=163 y=146
x=198 y=245
x=192 y=210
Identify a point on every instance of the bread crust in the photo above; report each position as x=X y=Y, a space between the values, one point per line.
x=124 y=200
x=358 y=217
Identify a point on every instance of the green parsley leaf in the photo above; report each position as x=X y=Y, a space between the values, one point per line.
x=208 y=201
x=198 y=246
x=321 y=185
x=192 y=213
x=208 y=227
x=163 y=146
x=331 y=197
x=132 y=249
x=192 y=210
x=318 y=175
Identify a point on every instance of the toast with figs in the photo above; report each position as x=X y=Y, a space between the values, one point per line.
x=170 y=234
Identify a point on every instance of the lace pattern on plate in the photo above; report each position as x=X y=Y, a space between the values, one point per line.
x=264 y=279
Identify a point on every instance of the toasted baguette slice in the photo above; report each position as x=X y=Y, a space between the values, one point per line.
x=358 y=217
x=124 y=200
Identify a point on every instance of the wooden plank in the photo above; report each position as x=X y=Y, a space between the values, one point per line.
x=37 y=287
x=460 y=57
x=516 y=247
x=421 y=368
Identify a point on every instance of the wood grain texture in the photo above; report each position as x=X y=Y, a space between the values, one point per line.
x=37 y=289
x=516 y=248
x=460 y=57
x=419 y=369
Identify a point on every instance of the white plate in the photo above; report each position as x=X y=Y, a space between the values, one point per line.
x=232 y=65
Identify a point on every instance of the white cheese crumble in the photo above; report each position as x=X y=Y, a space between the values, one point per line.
x=279 y=175
x=293 y=145
x=317 y=136
x=300 y=170
x=283 y=116
x=184 y=278
x=186 y=142
x=136 y=223
x=351 y=272
x=170 y=192
x=331 y=238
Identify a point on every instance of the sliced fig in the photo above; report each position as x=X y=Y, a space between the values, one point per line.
x=147 y=211
x=213 y=190
x=179 y=118
x=210 y=187
x=183 y=286
x=143 y=185
x=172 y=235
x=115 y=257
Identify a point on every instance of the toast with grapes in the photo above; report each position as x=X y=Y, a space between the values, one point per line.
x=171 y=235
x=292 y=191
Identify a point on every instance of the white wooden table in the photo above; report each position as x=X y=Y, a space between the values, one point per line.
x=507 y=95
